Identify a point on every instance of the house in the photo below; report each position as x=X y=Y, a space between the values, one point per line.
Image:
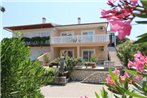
x=75 y=40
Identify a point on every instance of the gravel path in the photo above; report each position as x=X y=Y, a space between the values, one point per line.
x=71 y=90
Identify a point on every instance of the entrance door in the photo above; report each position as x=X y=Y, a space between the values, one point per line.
x=67 y=52
x=87 y=53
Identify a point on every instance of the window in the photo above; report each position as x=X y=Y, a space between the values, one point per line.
x=87 y=53
x=88 y=32
x=67 y=52
x=88 y=36
x=67 y=34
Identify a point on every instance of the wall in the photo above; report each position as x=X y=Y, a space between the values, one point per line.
x=35 y=32
x=101 y=54
x=78 y=31
x=89 y=75
x=37 y=51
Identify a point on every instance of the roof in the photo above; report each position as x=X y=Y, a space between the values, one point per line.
x=31 y=26
x=44 y=25
x=82 y=24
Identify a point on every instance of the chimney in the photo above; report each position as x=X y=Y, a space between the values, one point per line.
x=43 y=20
x=79 y=20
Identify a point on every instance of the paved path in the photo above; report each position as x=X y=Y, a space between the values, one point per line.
x=71 y=90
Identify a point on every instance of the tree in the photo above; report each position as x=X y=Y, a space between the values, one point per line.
x=21 y=78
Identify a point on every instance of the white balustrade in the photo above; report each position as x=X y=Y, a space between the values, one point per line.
x=80 y=39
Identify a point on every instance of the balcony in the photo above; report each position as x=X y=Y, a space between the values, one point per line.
x=99 y=38
x=37 y=41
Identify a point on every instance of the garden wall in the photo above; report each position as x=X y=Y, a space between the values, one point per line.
x=89 y=75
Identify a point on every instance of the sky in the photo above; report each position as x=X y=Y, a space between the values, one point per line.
x=20 y=12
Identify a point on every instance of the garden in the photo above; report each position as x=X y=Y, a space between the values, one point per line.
x=23 y=78
x=132 y=81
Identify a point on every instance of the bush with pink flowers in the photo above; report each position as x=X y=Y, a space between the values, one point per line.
x=122 y=13
x=120 y=84
x=120 y=16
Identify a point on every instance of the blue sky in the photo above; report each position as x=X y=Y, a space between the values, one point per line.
x=19 y=12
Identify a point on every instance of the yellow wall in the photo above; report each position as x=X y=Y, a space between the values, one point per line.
x=78 y=31
x=101 y=54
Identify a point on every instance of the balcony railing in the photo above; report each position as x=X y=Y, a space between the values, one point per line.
x=101 y=38
x=37 y=41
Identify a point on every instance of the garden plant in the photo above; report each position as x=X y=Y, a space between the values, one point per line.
x=21 y=77
x=120 y=16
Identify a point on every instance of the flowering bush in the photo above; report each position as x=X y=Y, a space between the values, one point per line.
x=120 y=17
x=122 y=14
x=119 y=84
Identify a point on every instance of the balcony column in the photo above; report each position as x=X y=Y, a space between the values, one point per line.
x=52 y=53
x=78 y=52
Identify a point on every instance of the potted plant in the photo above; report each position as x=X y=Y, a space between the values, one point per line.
x=92 y=62
x=55 y=62
x=46 y=60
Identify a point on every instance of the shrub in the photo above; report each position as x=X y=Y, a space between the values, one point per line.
x=126 y=51
x=120 y=84
x=72 y=62
x=49 y=75
x=21 y=78
x=93 y=58
x=54 y=62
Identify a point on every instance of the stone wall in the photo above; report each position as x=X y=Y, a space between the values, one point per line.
x=89 y=75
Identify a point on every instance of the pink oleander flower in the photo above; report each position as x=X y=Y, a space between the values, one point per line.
x=130 y=64
x=139 y=77
x=139 y=62
x=122 y=27
x=120 y=16
x=108 y=13
x=139 y=66
x=117 y=72
x=109 y=81
x=83 y=97
x=126 y=75
x=134 y=2
x=112 y=1
x=138 y=54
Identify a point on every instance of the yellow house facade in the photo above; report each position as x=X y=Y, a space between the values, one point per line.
x=74 y=40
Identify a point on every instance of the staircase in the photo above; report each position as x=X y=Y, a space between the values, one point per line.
x=113 y=56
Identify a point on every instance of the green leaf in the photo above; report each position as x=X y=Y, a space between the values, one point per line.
x=126 y=84
x=142 y=38
x=142 y=15
x=116 y=96
x=141 y=22
x=120 y=89
x=144 y=2
x=131 y=71
x=104 y=93
x=138 y=86
x=133 y=94
x=97 y=96
x=114 y=77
